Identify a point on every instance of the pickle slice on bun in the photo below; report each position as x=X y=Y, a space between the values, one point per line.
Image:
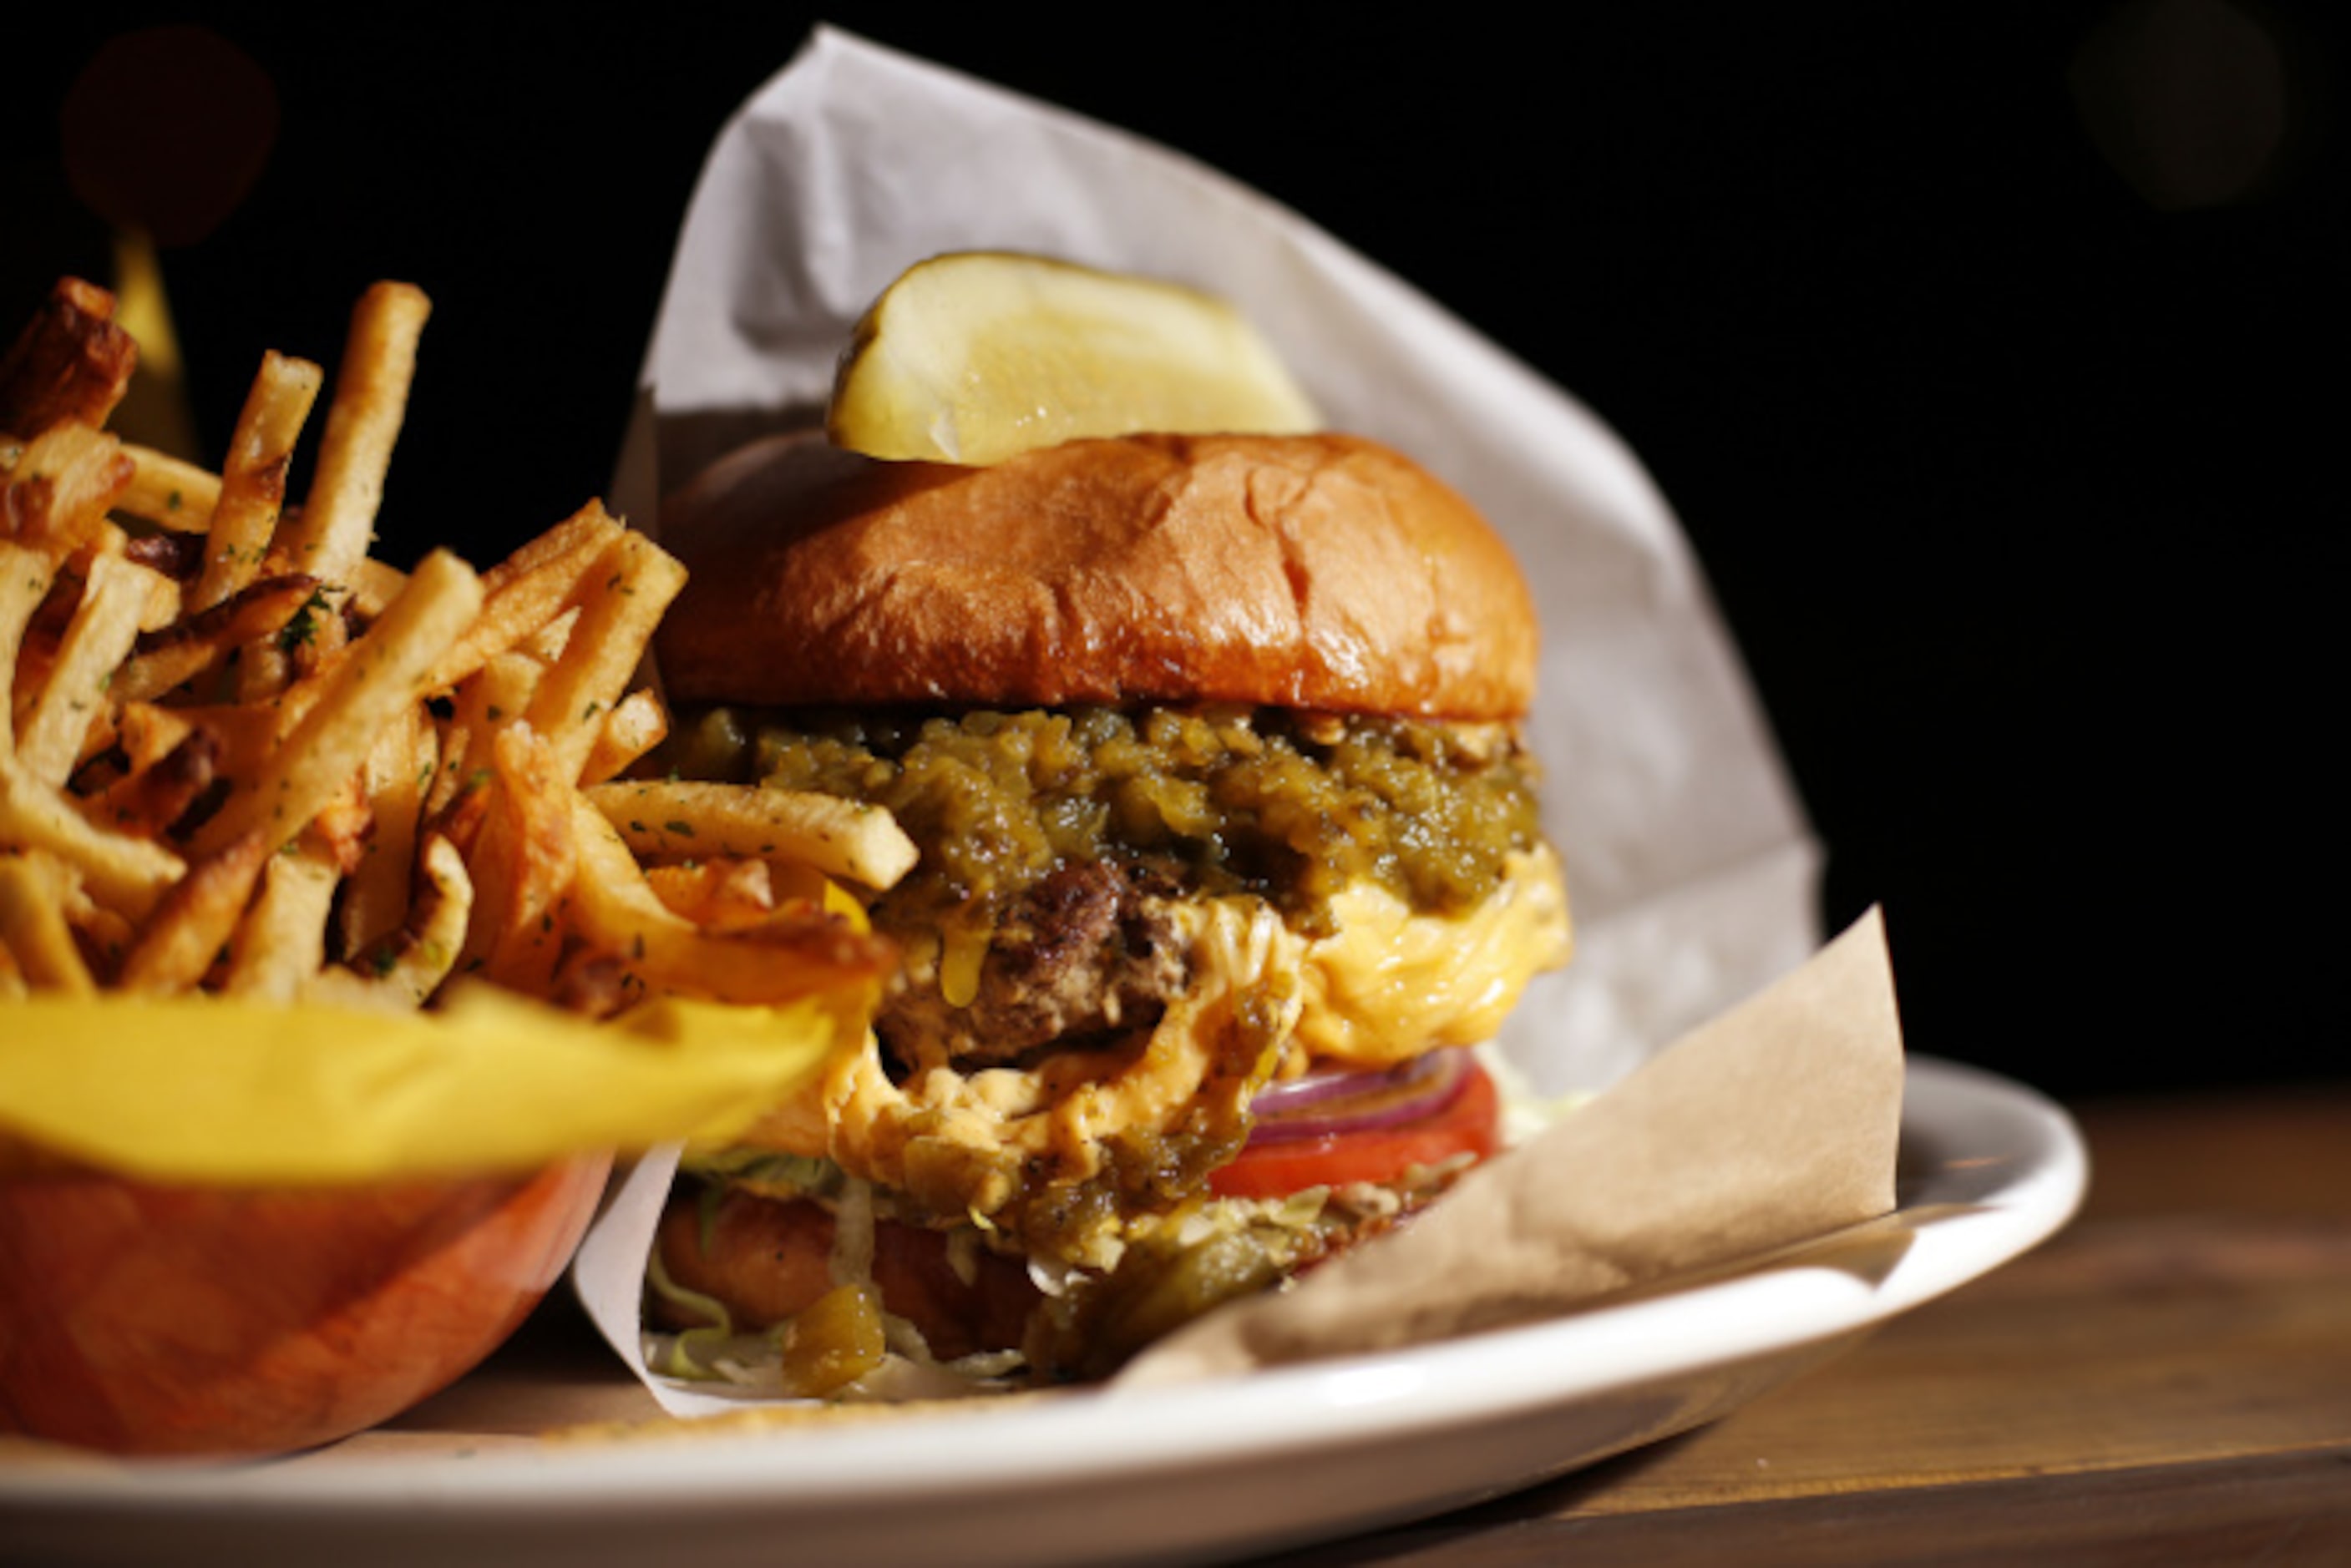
x=980 y=355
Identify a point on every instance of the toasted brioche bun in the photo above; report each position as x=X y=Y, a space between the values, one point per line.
x=1313 y=572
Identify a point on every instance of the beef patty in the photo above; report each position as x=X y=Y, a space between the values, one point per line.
x=1088 y=952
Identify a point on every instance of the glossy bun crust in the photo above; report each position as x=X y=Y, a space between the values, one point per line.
x=1313 y=572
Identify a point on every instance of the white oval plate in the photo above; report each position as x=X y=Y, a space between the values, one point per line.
x=1988 y=1168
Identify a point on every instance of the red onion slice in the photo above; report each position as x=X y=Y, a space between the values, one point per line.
x=1342 y=1100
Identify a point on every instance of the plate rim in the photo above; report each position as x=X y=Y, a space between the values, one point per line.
x=1767 y=1307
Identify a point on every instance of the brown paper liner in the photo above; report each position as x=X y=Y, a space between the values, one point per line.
x=1774 y=1122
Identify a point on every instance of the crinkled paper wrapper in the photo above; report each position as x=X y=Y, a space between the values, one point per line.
x=1691 y=868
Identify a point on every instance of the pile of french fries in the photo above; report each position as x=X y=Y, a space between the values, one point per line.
x=239 y=755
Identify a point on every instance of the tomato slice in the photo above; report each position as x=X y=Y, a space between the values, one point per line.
x=1469 y=1124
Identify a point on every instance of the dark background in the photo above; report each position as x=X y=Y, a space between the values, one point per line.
x=1992 y=362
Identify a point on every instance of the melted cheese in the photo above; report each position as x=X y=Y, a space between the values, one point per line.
x=1386 y=986
x=955 y=1142
x=1391 y=984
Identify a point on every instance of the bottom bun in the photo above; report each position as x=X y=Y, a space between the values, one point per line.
x=767 y=1260
x=145 y=1319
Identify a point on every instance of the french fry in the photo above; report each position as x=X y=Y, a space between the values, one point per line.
x=592 y=530
x=795 y=954
x=718 y=895
x=178 y=654
x=501 y=693
x=398 y=769
x=102 y=934
x=461 y=821
x=68 y=476
x=332 y=534
x=282 y=942
x=75 y=696
x=378 y=676
x=247 y=733
x=169 y=492
x=264 y=671
x=404 y=969
x=551 y=641
x=147 y=734
x=635 y=726
x=312 y=638
x=252 y=487
x=146 y=801
x=127 y=875
x=525 y=592
x=841 y=839
x=339 y=829
x=374 y=586
x=164 y=605
x=168 y=555
x=622 y=602
x=506 y=687
x=522 y=865
x=193 y=923
x=25 y=578
x=70 y=364
x=34 y=892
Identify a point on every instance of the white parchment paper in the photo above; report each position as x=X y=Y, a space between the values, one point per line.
x=1690 y=868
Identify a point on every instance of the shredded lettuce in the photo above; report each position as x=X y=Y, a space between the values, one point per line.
x=692 y=1354
x=770 y=1173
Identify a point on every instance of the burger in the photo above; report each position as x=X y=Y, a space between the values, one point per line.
x=1228 y=852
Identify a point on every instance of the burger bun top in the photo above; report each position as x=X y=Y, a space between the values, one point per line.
x=1319 y=572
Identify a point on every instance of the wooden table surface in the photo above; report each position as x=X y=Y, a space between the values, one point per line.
x=2167 y=1380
